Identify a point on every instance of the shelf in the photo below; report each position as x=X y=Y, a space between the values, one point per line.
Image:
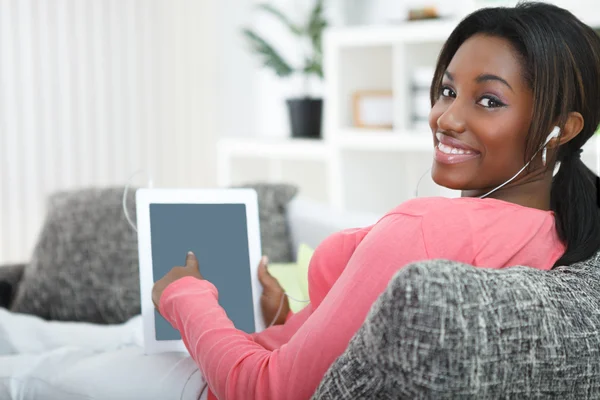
x=275 y=148
x=414 y=31
x=384 y=140
x=350 y=164
x=406 y=32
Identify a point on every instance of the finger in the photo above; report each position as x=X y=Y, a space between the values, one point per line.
x=266 y=279
x=264 y=260
x=191 y=261
x=263 y=273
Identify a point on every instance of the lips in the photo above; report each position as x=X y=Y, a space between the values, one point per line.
x=454 y=143
x=453 y=151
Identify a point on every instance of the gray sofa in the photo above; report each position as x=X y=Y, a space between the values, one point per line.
x=443 y=330
x=440 y=330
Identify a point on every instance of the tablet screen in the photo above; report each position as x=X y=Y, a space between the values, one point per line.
x=218 y=235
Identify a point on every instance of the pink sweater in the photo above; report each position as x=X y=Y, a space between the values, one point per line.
x=347 y=273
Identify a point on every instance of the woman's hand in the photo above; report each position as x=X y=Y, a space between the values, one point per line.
x=272 y=295
x=270 y=301
x=191 y=269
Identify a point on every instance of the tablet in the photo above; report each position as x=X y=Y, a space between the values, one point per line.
x=221 y=227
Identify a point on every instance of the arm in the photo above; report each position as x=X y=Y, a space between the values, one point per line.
x=327 y=264
x=236 y=367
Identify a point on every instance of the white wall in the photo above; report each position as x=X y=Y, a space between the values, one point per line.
x=93 y=90
x=253 y=98
x=235 y=73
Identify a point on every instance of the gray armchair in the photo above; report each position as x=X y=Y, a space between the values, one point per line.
x=444 y=330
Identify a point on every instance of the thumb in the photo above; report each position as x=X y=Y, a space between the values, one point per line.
x=266 y=279
x=191 y=261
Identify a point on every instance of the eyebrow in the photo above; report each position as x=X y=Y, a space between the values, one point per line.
x=484 y=78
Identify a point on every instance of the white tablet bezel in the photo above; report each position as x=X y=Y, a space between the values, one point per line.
x=145 y=197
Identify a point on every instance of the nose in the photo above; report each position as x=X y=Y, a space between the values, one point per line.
x=451 y=119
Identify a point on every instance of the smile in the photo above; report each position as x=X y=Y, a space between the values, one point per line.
x=452 y=151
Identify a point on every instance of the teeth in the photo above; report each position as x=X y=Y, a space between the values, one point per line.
x=447 y=149
x=452 y=150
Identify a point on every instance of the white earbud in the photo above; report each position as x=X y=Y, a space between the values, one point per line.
x=554 y=134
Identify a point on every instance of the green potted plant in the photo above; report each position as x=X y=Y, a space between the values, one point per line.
x=305 y=112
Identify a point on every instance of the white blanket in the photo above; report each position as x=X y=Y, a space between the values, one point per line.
x=68 y=361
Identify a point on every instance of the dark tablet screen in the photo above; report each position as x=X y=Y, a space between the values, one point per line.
x=218 y=235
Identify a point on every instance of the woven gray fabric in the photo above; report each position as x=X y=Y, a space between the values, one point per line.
x=444 y=330
x=85 y=264
x=274 y=230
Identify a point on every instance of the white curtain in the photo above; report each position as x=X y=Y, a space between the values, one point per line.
x=92 y=91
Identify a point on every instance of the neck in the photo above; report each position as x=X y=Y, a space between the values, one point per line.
x=533 y=193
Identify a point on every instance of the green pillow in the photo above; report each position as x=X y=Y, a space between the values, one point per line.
x=293 y=277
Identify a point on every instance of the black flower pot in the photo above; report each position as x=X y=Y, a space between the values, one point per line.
x=305 y=117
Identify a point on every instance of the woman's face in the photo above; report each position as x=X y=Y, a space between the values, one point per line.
x=481 y=118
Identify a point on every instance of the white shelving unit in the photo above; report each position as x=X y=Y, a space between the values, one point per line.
x=304 y=162
x=352 y=168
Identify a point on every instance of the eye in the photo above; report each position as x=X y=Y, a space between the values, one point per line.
x=447 y=92
x=490 y=102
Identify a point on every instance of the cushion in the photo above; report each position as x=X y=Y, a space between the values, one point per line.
x=85 y=264
x=293 y=277
x=444 y=330
x=272 y=209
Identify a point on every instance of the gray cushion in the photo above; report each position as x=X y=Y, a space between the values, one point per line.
x=85 y=264
x=444 y=330
x=272 y=209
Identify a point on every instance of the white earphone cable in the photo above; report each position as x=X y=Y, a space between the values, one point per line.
x=510 y=180
x=281 y=306
x=126 y=190
x=553 y=134
x=278 y=311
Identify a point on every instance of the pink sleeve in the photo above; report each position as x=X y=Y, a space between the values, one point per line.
x=327 y=264
x=274 y=337
x=237 y=367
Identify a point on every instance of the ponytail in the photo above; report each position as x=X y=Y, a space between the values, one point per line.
x=575 y=201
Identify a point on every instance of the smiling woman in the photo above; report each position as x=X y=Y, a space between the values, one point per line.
x=480 y=111
x=505 y=79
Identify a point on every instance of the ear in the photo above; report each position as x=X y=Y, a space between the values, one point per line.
x=572 y=127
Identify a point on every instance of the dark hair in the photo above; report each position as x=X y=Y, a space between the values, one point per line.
x=561 y=63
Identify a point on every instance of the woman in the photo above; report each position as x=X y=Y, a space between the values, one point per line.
x=504 y=79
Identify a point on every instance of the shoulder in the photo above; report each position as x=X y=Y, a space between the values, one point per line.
x=451 y=208
x=433 y=206
x=345 y=240
x=447 y=225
